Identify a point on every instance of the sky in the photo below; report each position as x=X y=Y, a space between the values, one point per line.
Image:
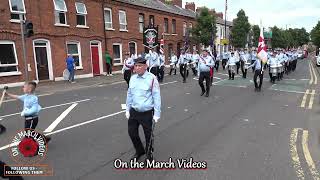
x=282 y=13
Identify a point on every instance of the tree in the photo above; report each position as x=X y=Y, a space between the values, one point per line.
x=205 y=29
x=255 y=35
x=278 y=38
x=315 y=35
x=240 y=30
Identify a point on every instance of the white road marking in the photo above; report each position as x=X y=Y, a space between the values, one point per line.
x=294 y=154
x=55 y=123
x=49 y=107
x=168 y=83
x=307 y=155
x=304 y=99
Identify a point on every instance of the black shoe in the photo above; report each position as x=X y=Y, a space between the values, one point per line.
x=2 y=129
x=137 y=156
x=207 y=94
x=47 y=139
x=202 y=93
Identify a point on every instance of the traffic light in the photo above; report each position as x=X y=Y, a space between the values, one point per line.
x=28 y=29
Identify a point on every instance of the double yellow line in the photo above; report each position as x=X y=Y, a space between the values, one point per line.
x=304 y=99
x=295 y=155
x=313 y=75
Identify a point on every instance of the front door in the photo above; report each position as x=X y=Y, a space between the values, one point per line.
x=42 y=60
x=95 y=59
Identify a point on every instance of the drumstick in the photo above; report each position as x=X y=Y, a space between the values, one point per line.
x=3 y=94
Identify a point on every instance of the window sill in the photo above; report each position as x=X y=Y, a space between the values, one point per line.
x=174 y=34
x=166 y=34
x=15 y=21
x=79 y=68
x=10 y=74
x=109 y=29
x=123 y=30
x=82 y=27
x=62 y=25
x=118 y=64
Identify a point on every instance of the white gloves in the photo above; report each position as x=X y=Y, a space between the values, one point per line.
x=156 y=119
x=127 y=114
x=22 y=114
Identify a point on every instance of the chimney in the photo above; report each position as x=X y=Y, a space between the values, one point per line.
x=191 y=6
x=220 y=15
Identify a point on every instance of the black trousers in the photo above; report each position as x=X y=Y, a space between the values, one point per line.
x=145 y=120
x=154 y=71
x=243 y=70
x=161 y=73
x=205 y=76
x=224 y=63
x=183 y=71
x=216 y=65
x=109 y=68
x=31 y=123
x=238 y=66
x=173 y=68
x=252 y=61
x=231 y=75
x=294 y=65
x=127 y=76
x=257 y=73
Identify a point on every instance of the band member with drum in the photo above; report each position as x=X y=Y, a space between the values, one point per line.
x=244 y=63
x=194 y=62
x=272 y=63
x=173 y=63
x=127 y=68
x=153 y=61
x=231 y=64
x=225 y=57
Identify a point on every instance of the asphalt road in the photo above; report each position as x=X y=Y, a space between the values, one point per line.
x=241 y=134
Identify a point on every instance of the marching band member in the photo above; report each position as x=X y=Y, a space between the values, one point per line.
x=231 y=63
x=183 y=65
x=173 y=63
x=153 y=62
x=253 y=58
x=225 y=57
x=272 y=63
x=205 y=63
x=127 y=68
x=258 y=71
x=237 y=55
x=195 y=60
x=161 y=68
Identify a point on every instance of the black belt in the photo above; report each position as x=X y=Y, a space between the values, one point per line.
x=31 y=117
x=145 y=112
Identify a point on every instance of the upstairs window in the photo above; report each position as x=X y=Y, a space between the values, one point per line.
x=141 y=23
x=151 y=20
x=190 y=28
x=60 y=11
x=17 y=7
x=123 y=20
x=108 y=18
x=81 y=14
x=174 y=24
x=184 y=28
x=166 y=25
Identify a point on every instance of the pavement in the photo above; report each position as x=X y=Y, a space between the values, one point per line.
x=241 y=134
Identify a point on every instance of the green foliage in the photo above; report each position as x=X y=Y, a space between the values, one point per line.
x=255 y=30
x=205 y=27
x=240 y=30
x=315 y=35
x=289 y=38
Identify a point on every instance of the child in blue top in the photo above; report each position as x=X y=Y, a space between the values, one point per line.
x=31 y=107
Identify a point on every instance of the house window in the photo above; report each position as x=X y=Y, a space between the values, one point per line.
x=141 y=23
x=151 y=20
x=123 y=20
x=17 y=7
x=8 y=57
x=166 y=25
x=133 y=48
x=117 y=54
x=108 y=18
x=81 y=14
x=184 y=28
x=73 y=49
x=190 y=28
x=174 y=23
x=60 y=11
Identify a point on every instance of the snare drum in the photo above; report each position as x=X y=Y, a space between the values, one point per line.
x=273 y=69
x=232 y=67
x=246 y=65
x=279 y=67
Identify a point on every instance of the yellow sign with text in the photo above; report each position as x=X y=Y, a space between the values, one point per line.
x=224 y=41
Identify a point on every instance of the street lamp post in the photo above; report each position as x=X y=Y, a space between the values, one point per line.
x=24 y=48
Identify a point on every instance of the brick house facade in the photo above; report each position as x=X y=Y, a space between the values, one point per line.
x=85 y=29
